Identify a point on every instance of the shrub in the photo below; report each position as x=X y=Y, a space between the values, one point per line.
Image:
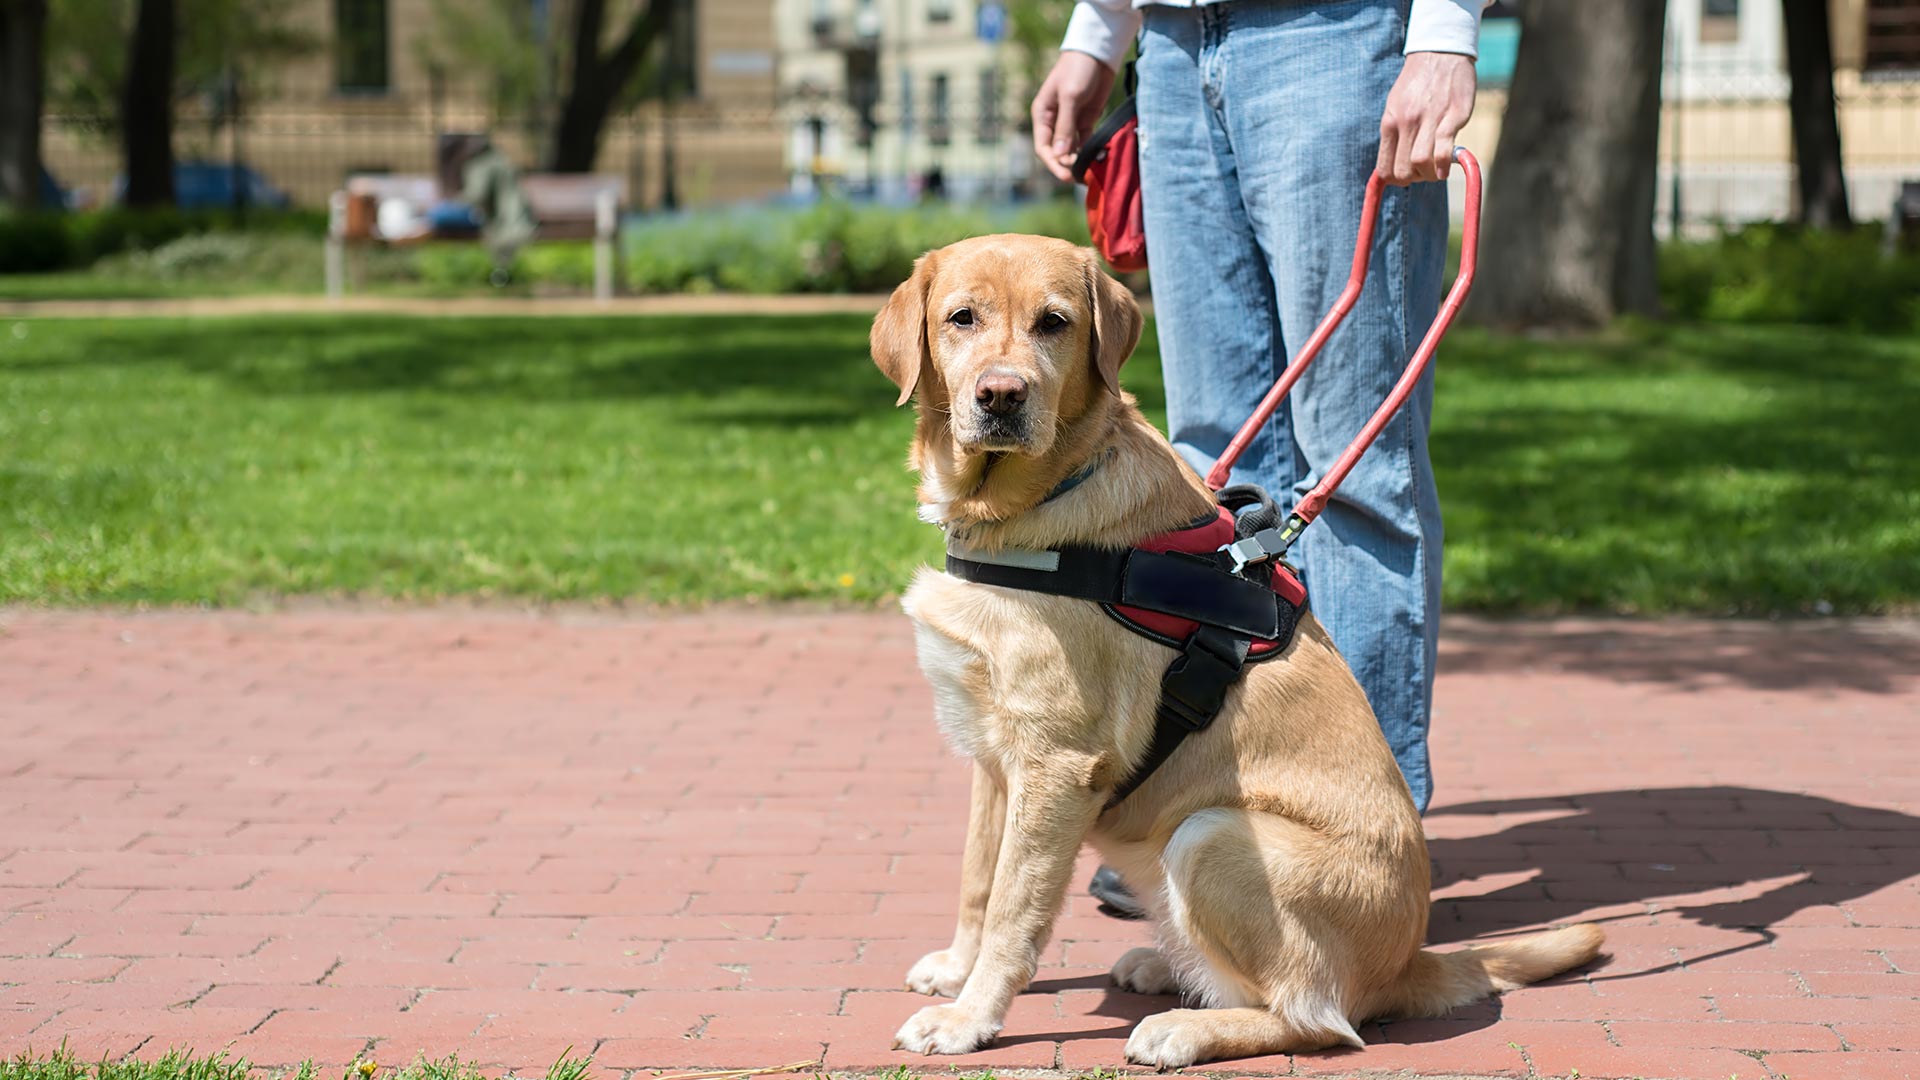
x=222 y=260
x=33 y=243
x=45 y=241
x=832 y=247
x=453 y=265
x=1784 y=274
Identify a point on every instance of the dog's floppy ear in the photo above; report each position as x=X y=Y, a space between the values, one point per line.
x=1116 y=322
x=899 y=337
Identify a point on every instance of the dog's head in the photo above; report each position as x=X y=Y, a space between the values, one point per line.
x=1007 y=339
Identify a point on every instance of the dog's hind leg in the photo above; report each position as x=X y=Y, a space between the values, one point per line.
x=1145 y=971
x=1250 y=930
x=1180 y=1037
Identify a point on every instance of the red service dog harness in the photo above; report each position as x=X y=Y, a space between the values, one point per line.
x=1194 y=589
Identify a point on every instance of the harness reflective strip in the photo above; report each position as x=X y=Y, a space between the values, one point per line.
x=1022 y=558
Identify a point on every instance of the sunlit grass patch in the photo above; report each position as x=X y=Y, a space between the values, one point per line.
x=1703 y=469
x=182 y=1064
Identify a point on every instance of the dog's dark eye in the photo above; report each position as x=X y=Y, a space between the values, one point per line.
x=963 y=317
x=1053 y=320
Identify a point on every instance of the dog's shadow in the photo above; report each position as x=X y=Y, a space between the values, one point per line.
x=1731 y=858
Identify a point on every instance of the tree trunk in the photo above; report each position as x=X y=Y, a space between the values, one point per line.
x=598 y=80
x=146 y=107
x=1568 y=236
x=1816 y=121
x=23 y=25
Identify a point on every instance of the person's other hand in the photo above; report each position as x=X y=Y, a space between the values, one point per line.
x=1427 y=107
x=1067 y=107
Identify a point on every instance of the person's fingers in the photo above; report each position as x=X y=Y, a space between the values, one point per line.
x=1420 y=159
x=1443 y=138
x=1066 y=125
x=1389 y=135
x=1403 y=141
x=1066 y=138
x=1044 y=107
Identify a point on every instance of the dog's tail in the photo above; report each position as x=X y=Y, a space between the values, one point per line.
x=1436 y=982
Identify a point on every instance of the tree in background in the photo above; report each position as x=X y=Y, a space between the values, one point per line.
x=556 y=66
x=146 y=106
x=601 y=79
x=507 y=42
x=1569 y=217
x=215 y=48
x=23 y=25
x=1035 y=28
x=1816 y=120
x=87 y=61
x=87 y=51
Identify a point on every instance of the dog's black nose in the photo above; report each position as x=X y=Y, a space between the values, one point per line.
x=999 y=394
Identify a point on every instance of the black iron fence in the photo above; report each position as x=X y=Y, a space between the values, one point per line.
x=306 y=148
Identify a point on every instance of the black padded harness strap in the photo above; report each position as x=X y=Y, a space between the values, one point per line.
x=1196 y=587
x=1192 y=692
x=1232 y=611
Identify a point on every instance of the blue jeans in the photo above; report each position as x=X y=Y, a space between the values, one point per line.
x=1259 y=123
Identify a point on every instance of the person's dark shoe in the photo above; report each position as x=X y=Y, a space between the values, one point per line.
x=1116 y=900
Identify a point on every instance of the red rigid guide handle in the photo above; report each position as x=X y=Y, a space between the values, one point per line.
x=1316 y=500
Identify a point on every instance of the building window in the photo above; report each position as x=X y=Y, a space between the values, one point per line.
x=1719 y=21
x=939 y=114
x=939 y=11
x=1892 y=36
x=989 y=130
x=360 y=52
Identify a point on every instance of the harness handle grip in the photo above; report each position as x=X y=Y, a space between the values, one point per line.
x=1316 y=500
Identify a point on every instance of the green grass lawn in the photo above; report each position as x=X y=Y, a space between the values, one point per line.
x=675 y=460
x=185 y=1064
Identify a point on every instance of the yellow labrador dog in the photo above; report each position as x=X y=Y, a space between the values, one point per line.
x=1278 y=849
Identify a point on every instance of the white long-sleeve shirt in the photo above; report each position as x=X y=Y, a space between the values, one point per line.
x=1104 y=29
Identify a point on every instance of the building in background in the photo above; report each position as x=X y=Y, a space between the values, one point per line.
x=1726 y=145
x=899 y=98
x=377 y=87
x=879 y=96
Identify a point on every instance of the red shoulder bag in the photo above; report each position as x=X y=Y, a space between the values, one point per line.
x=1109 y=165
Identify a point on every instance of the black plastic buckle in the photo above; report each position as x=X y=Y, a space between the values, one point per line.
x=1194 y=688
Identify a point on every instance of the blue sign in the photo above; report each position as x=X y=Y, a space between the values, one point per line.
x=990 y=22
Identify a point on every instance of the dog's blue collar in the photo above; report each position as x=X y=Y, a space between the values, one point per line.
x=1076 y=479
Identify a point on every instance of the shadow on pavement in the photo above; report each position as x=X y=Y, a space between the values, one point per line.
x=1873 y=655
x=1730 y=858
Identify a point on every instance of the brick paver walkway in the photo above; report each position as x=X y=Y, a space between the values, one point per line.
x=720 y=840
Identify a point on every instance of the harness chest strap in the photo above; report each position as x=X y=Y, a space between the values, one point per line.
x=1226 y=616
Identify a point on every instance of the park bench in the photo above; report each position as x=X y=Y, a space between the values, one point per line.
x=565 y=206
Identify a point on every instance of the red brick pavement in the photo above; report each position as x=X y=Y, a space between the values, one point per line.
x=720 y=840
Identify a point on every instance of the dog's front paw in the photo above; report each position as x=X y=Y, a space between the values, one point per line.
x=939 y=974
x=945 y=1029
x=1144 y=971
x=1169 y=1040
